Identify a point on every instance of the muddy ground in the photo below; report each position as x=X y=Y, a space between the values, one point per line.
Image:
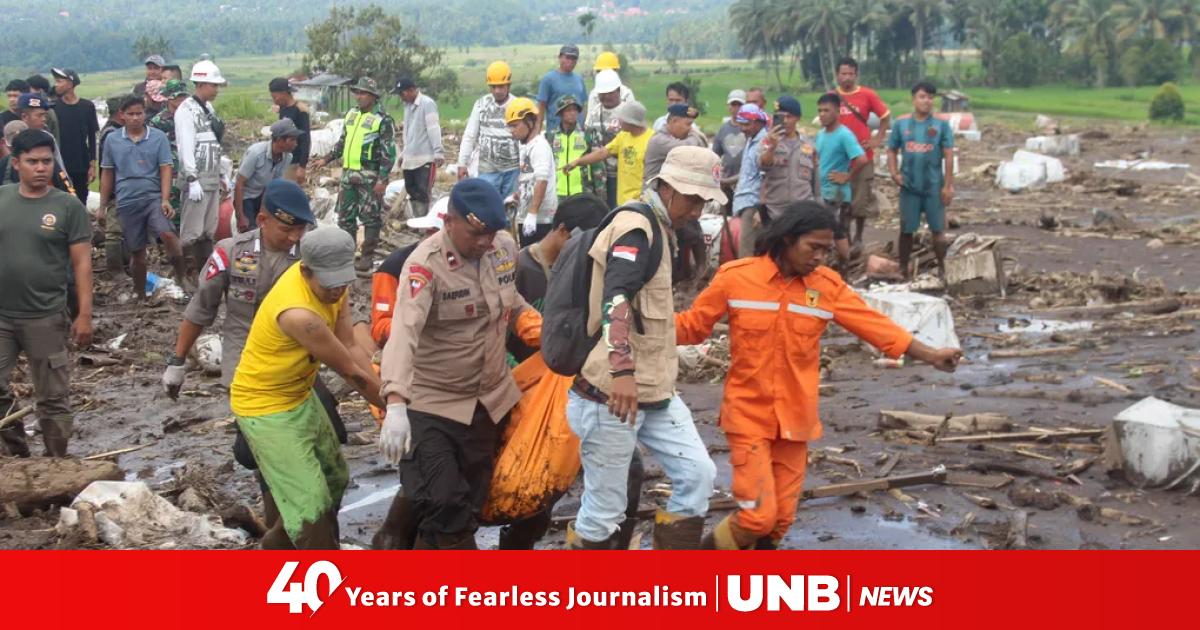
x=1055 y=258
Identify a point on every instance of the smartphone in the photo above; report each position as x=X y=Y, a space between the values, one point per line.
x=777 y=119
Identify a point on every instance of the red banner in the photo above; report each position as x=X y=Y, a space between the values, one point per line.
x=926 y=589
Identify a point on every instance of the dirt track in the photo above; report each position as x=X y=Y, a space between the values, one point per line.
x=187 y=443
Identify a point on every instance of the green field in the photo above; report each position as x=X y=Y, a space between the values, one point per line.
x=247 y=98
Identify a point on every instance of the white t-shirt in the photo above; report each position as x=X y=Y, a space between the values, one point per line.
x=537 y=164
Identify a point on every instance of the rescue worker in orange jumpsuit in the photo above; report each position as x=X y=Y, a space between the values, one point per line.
x=779 y=302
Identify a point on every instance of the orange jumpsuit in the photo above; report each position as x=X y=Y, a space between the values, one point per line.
x=769 y=412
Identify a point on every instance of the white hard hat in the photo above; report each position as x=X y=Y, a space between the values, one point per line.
x=434 y=219
x=607 y=81
x=206 y=71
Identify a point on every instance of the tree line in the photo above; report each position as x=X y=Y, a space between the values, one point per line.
x=1019 y=42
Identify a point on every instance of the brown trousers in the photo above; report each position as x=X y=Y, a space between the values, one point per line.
x=44 y=342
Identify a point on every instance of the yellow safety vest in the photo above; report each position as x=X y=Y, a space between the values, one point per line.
x=362 y=129
x=567 y=147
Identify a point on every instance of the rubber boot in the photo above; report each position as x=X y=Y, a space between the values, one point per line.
x=114 y=257
x=460 y=541
x=204 y=249
x=399 y=529
x=940 y=247
x=766 y=543
x=906 y=247
x=524 y=533
x=191 y=269
x=675 y=531
x=321 y=533
x=575 y=541
x=728 y=535
x=12 y=437
x=418 y=208
x=366 y=260
x=55 y=435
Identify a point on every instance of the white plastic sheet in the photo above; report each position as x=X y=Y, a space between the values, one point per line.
x=927 y=317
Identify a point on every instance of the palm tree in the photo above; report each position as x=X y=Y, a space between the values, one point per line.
x=1089 y=27
x=587 y=22
x=759 y=32
x=1152 y=18
x=870 y=17
x=923 y=11
x=986 y=30
x=827 y=25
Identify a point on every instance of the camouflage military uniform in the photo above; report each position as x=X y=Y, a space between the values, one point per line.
x=164 y=121
x=357 y=201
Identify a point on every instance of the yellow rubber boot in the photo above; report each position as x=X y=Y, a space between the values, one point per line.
x=728 y=535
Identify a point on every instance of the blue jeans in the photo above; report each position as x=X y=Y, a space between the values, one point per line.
x=504 y=181
x=606 y=447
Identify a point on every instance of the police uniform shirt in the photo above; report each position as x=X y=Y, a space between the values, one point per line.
x=240 y=272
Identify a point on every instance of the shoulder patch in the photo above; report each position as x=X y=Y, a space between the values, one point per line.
x=218 y=262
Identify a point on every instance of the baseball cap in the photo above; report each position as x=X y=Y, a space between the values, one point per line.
x=286 y=201
x=280 y=84
x=479 y=202
x=736 y=96
x=13 y=128
x=155 y=60
x=329 y=253
x=31 y=100
x=435 y=219
x=694 y=171
x=750 y=113
x=683 y=109
x=405 y=83
x=569 y=50
x=173 y=88
x=565 y=101
x=631 y=112
x=789 y=104
x=285 y=128
x=66 y=73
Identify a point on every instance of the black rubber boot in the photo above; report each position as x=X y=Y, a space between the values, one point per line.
x=673 y=531
x=399 y=529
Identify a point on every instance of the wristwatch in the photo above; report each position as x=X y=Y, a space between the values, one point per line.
x=176 y=360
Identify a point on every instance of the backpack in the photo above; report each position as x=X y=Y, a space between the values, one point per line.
x=566 y=343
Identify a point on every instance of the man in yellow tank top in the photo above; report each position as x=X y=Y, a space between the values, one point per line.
x=303 y=322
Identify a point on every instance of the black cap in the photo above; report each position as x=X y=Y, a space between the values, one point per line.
x=405 y=83
x=280 y=84
x=67 y=73
x=683 y=109
x=570 y=50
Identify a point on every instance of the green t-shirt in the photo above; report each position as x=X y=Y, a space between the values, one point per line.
x=921 y=144
x=35 y=240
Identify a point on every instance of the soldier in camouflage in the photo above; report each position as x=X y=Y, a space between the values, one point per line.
x=174 y=91
x=367 y=150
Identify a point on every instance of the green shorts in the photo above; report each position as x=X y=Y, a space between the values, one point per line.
x=912 y=205
x=299 y=457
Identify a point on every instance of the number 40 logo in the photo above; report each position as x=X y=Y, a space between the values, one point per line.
x=297 y=595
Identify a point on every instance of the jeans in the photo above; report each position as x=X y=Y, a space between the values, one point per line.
x=504 y=181
x=606 y=447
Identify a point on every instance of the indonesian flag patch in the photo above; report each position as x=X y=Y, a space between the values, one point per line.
x=217 y=263
x=625 y=252
x=415 y=284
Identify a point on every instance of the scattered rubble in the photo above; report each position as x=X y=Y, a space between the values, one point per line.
x=128 y=515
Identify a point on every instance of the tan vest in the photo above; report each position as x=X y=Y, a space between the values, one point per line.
x=657 y=364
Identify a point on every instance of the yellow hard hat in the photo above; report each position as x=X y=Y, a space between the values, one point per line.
x=518 y=109
x=498 y=73
x=607 y=60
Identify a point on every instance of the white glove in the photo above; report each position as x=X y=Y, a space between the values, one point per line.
x=529 y=226
x=395 y=437
x=195 y=192
x=172 y=379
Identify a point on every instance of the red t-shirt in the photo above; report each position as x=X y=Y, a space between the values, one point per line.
x=866 y=101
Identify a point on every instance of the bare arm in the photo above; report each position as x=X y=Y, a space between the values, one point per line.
x=81 y=263
x=107 y=178
x=311 y=332
x=344 y=331
x=189 y=332
x=598 y=155
x=239 y=197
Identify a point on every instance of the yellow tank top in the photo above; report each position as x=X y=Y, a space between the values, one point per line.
x=276 y=373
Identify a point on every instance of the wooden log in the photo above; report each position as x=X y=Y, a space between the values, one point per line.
x=976 y=422
x=16 y=415
x=1067 y=396
x=35 y=483
x=937 y=475
x=1146 y=307
x=1026 y=435
x=1021 y=353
